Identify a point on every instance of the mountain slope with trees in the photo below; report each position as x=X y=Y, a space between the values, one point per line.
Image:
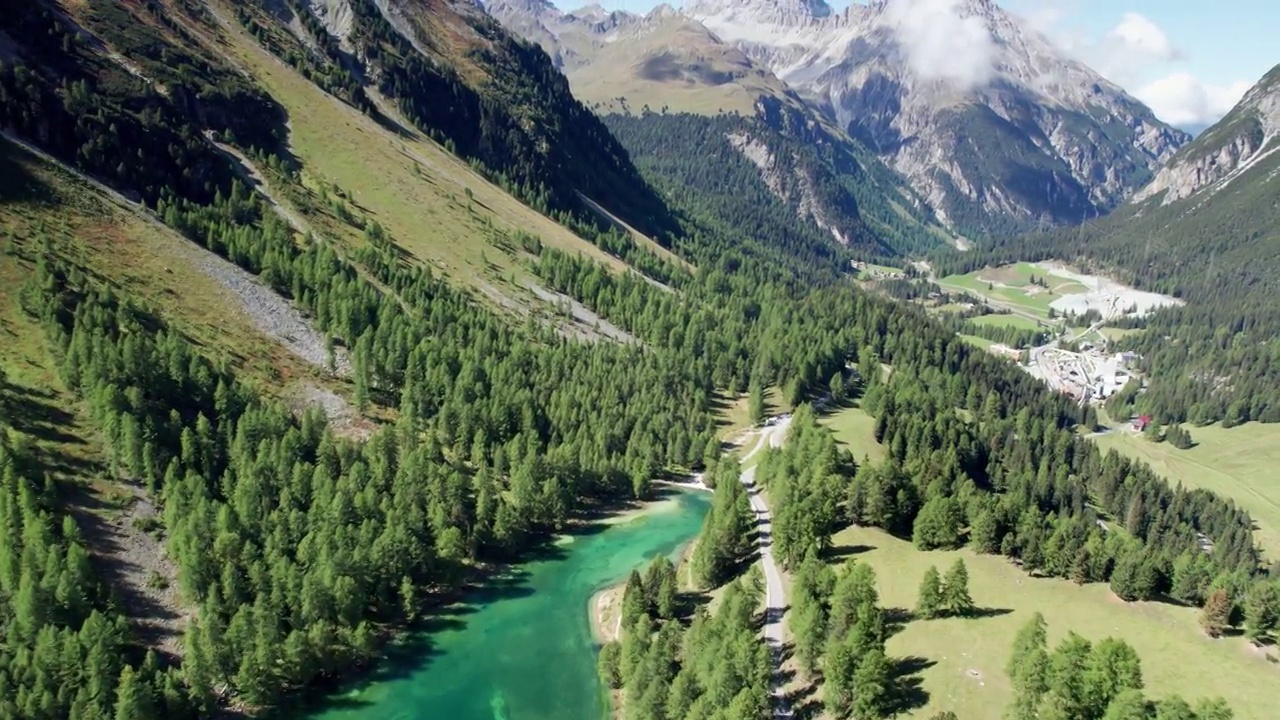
x=301 y=549
x=1214 y=244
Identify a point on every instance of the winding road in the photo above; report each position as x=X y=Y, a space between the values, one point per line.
x=775 y=601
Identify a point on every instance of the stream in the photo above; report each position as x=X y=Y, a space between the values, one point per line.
x=523 y=650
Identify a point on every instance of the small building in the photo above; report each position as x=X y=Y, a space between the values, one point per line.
x=1140 y=424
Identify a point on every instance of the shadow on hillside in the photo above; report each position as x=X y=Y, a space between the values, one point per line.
x=906 y=687
x=840 y=552
x=32 y=411
x=980 y=613
x=16 y=184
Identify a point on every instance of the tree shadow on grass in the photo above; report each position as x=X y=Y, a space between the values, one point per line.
x=840 y=552
x=980 y=613
x=906 y=687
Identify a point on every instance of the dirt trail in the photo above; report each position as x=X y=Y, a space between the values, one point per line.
x=259 y=182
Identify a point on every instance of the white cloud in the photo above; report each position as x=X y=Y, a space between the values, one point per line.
x=941 y=42
x=1182 y=100
x=1137 y=36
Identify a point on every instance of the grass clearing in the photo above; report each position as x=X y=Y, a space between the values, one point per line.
x=979 y=342
x=1013 y=321
x=1238 y=463
x=733 y=414
x=855 y=430
x=1010 y=285
x=964 y=659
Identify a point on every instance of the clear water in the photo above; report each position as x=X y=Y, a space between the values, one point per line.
x=524 y=650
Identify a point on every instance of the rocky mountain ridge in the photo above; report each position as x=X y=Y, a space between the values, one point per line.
x=1245 y=137
x=994 y=126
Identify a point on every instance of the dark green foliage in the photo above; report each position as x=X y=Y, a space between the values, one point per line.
x=1262 y=610
x=804 y=479
x=938 y=524
x=726 y=536
x=693 y=159
x=1083 y=681
x=955 y=590
x=856 y=673
x=718 y=663
x=660 y=591
x=66 y=652
x=610 y=665
x=929 y=605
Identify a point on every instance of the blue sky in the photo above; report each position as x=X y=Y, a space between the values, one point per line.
x=1188 y=59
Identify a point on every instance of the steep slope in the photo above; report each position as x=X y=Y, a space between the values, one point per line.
x=678 y=96
x=1207 y=230
x=993 y=125
x=623 y=62
x=1245 y=137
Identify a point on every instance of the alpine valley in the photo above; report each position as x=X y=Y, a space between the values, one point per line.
x=991 y=125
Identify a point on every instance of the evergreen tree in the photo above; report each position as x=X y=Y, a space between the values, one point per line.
x=929 y=605
x=955 y=590
x=1261 y=610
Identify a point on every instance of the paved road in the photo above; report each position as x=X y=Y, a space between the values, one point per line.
x=775 y=601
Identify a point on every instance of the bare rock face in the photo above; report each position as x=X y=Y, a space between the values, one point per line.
x=1245 y=137
x=994 y=126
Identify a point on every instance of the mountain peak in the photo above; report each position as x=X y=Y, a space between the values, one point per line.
x=785 y=11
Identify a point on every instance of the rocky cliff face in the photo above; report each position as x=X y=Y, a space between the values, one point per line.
x=991 y=123
x=1245 y=137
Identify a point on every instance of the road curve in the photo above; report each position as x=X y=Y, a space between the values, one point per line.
x=775 y=601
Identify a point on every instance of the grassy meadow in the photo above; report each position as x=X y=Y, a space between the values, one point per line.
x=1011 y=286
x=961 y=662
x=1239 y=463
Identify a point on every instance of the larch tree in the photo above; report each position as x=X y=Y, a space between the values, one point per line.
x=930 y=601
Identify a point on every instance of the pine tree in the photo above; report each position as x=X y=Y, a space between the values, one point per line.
x=133 y=697
x=871 y=686
x=755 y=402
x=1261 y=610
x=1215 y=616
x=1128 y=705
x=929 y=604
x=955 y=590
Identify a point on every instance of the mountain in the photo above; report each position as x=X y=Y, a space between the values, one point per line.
x=1207 y=229
x=1246 y=137
x=695 y=112
x=620 y=61
x=997 y=128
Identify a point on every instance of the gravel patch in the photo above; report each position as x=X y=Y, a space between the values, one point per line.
x=271 y=314
x=1108 y=297
x=587 y=322
x=343 y=418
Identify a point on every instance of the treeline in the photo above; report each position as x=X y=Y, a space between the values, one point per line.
x=716 y=667
x=948 y=480
x=840 y=633
x=1081 y=680
x=727 y=540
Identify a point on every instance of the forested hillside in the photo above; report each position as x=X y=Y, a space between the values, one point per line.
x=1215 y=245
x=509 y=109
x=779 y=179
x=299 y=549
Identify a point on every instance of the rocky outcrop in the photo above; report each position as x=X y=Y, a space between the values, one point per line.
x=1247 y=135
x=988 y=120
